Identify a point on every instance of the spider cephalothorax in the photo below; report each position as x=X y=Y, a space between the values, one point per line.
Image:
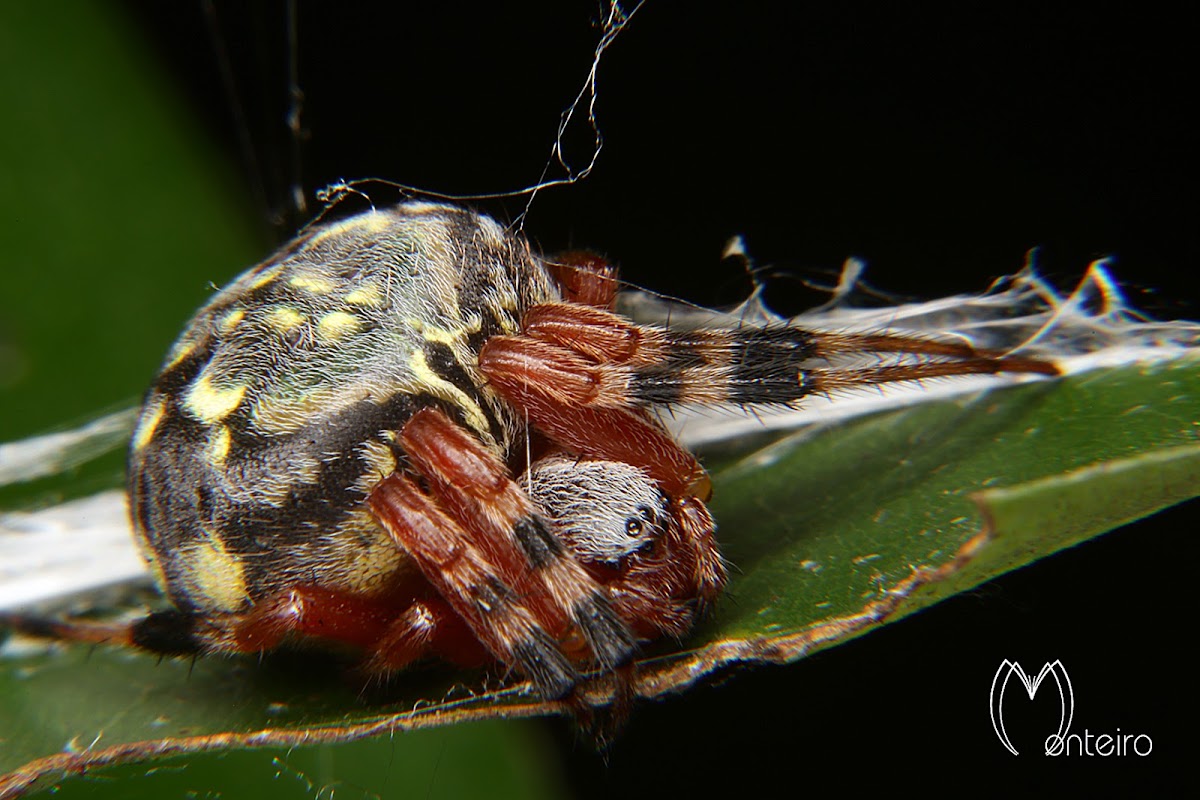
x=409 y=433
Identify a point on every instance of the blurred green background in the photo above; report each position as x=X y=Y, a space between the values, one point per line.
x=118 y=211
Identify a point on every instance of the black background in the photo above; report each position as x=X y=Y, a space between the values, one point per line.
x=940 y=146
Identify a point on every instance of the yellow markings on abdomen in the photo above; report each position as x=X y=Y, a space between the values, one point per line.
x=367 y=295
x=231 y=319
x=284 y=319
x=217 y=448
x=287 y=409
x=209 y=403
x=338 y=325
x=264 y=278
x=182 y=349
x=381 y=462
x=312 y=283
x=152 y=414
x=213 y=576
x=370 y=222
x=436 y=385
x=364 y=559
x=432 y=333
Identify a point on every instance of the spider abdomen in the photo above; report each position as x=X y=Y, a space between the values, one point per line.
x=277 y=410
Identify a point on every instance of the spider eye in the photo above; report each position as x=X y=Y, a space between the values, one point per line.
x=633 y=526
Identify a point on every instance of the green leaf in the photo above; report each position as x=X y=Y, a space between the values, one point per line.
x=831 y=531
x=890 y=513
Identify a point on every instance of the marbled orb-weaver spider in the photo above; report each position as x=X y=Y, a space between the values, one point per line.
x=408 y=433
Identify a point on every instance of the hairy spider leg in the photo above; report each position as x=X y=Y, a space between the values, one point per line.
x=584 y=278
x=117 y=633
x=598 y=359
x=392 y=634
x=473 y=486
x=462 y=574
x=396 y=629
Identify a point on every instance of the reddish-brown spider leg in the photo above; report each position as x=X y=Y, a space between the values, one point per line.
x=595 y=358
x=585 y=278
x=474 y=487
x=116 y=633
x=428 y=627
x=393 y=634
x=479 y=541
x=460 y=572
x=394 y=631
x=303 y=611
x=557 y=387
